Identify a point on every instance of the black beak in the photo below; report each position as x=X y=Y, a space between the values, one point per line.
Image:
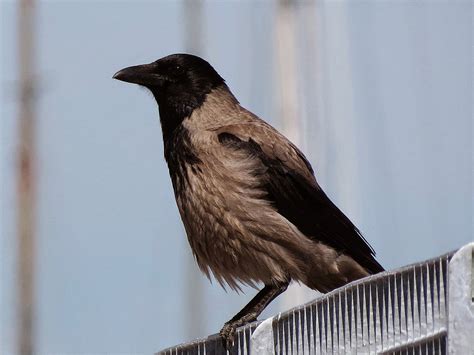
x=140 y=74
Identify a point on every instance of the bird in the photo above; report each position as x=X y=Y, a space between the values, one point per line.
x=253 y=211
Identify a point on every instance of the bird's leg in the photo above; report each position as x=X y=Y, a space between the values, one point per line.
x=251 y=311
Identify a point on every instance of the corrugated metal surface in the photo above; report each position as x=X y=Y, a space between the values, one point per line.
x=400 y=312
x=372 y=316
x=213 y=345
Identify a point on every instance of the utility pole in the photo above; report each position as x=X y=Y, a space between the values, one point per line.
x=26 y=180
x=291 y=117
x=285 y=38
x=194 y=291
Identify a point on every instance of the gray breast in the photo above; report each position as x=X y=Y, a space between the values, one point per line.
x=226 y=220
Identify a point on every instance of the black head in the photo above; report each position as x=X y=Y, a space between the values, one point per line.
x=179 y=83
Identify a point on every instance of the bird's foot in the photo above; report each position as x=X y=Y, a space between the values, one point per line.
x=227 y=334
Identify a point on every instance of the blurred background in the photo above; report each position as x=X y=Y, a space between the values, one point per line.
x=93 y=255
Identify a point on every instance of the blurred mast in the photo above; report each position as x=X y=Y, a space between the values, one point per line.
x=26 y=179
x=195 y=321
x=290 y=112
x=286 y=54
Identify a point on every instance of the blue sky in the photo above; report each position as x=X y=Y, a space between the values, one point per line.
x=387 y=113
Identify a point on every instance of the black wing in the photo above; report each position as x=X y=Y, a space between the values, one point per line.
x=306 y=205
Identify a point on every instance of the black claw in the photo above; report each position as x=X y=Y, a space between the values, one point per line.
x=227 y=334
x=250 y=313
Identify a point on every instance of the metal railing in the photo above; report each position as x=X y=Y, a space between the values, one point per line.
x=424 y=308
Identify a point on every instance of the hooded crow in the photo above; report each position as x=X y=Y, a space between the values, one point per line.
x=250 y=204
